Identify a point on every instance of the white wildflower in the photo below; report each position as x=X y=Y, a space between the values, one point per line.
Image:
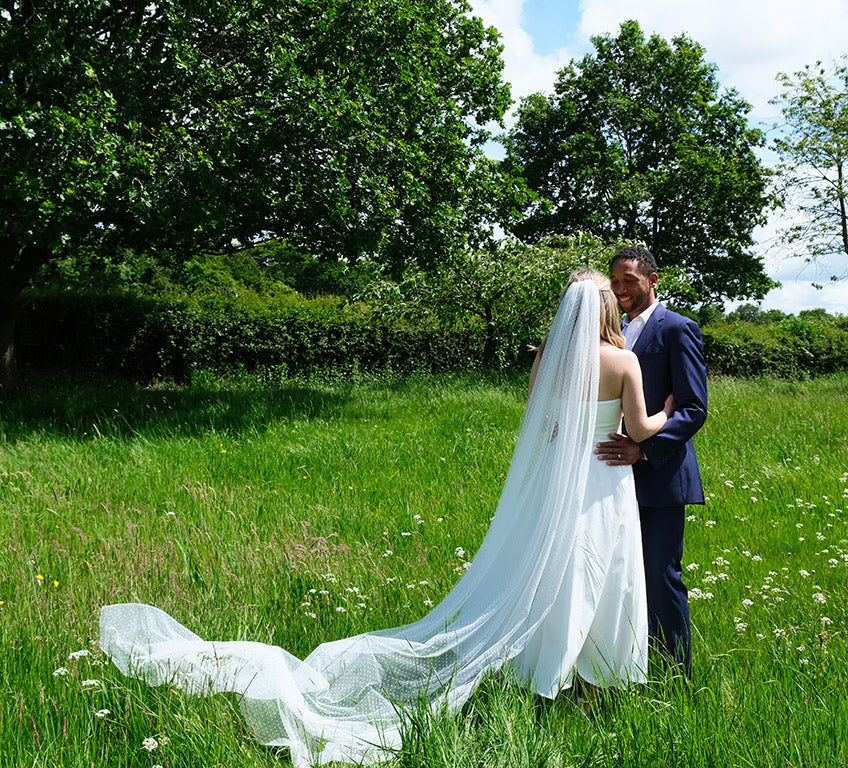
x=90 y=684
x=149 y=744
x=79 y=654
x=819 y=598
x=697 y=594
x=61 y=672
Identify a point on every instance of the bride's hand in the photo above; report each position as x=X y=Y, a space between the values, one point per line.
x=669 y=405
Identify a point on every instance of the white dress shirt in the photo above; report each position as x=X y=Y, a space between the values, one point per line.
x=632 y=329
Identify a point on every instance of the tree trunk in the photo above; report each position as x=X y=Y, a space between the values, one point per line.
x=489 y=343
x=8 y=363
x=843 y=215
x=17 y=266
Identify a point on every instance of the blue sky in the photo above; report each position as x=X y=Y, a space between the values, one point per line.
x=749 y=40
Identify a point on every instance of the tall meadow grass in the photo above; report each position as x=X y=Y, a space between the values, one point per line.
x=298 y=512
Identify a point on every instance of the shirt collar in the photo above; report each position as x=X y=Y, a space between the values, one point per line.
x=642 y=318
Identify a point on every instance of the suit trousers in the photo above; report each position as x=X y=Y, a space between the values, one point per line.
x=668 y=605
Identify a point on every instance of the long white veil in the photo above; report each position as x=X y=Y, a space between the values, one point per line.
x=342 y=702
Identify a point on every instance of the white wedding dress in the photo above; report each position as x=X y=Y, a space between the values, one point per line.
x=556 y=587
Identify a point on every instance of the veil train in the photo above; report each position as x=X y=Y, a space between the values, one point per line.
x=342 y=702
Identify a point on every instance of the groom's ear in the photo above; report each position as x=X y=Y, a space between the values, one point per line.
x=653 y=278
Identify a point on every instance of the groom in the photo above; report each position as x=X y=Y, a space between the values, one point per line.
x=671 y=355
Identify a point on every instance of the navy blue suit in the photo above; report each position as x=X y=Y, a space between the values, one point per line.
x=671 y=354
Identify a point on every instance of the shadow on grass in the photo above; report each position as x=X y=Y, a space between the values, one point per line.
x=65 y=407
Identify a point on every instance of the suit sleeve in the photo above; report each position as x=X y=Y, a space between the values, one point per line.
x=688 y=374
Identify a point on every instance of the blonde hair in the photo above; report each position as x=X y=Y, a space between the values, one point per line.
x=610 y=324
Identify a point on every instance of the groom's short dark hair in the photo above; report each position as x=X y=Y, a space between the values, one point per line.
x=642 y=256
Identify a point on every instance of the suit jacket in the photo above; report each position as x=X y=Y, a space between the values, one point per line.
x=671 y=354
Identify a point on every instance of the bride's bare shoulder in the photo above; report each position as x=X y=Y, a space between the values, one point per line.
x=617 y=356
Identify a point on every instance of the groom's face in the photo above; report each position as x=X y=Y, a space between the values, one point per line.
x=633 y=289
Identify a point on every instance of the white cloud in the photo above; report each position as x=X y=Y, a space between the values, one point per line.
x=750 y=40
x=525 y=70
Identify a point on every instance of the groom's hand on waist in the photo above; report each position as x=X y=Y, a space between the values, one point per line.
x=619 y=451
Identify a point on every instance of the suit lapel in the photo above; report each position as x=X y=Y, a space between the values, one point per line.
x=651 y=329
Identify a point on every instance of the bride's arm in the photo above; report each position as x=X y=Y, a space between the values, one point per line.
x=640 y=426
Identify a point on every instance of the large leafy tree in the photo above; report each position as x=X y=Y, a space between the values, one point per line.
x=345 y=127
x=637 y=142
x=814 y=150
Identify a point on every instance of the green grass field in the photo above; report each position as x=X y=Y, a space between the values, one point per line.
x=294 y=513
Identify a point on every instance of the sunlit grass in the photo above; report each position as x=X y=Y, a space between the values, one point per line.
x=294 y=513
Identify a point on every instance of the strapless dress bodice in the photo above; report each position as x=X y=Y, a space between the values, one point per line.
x=608 y=419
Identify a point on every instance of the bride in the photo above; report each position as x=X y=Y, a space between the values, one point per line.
x=556 y=589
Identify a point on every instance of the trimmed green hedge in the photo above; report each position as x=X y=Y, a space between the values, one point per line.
x=791 y=348
x=144 y=339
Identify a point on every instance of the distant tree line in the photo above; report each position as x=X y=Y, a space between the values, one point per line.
x=238 y=312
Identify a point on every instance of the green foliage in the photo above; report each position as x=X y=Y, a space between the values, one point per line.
x=790 y=347
x=308 y=275
x=814 y=152
x=510 y=292
x=345 y=127
x=638 y=143
x=150 y=338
